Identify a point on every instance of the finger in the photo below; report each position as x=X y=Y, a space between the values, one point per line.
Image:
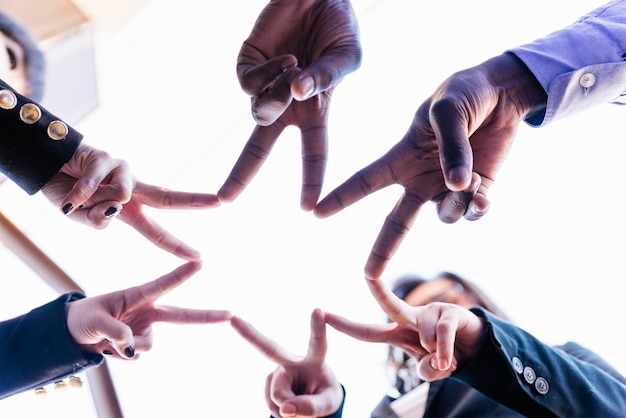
x=447 y=327
x=477 y=208
x=428 y=369
x=116 y=173
x=143 y=343
x=161 y=198
x=370 y=333
x=314 y=158
x=394 y=229
x=118 y=334
x=366 y=181
x=270 y=104
x=256 y=74
x=318 y=344
x=156 y=234
x=451 y=127
x=327 y=71
x=154 y=289
x=264 y=345
x=176 y=315
x=98 y=216
x=455 y=204
x=395 y=308
x=309 y=405
x=274 y=409
x=251 y=159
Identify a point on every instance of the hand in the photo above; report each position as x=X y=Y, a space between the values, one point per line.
x=93 y=187
x=120 y=323
x=440 y=336
x=299 y=387
x=450 y=155
x=295 y=56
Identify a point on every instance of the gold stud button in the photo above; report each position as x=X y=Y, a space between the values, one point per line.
x=57 y=130
x=7 y=99
x=60 y=385
x=41 y=392
x=75 y=382
x=30 y=113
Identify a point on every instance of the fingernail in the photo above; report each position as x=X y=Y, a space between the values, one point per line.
x=67 y=208
x=308 y=85
x=110 y=212
x=288 y=410
x=107 y=352
x=433 y=363
x=458 y=174
x=443 y=364
x=130 y=351
x=81 y=207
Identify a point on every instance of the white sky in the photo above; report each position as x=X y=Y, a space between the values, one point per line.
x=550 y=251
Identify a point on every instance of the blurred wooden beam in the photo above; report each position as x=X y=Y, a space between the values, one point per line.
x=100 y=381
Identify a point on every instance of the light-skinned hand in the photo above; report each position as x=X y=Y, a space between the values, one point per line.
x=120 y=323
x=299 y=386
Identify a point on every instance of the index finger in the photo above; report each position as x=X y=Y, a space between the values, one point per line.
x=369 y=333
x=254 y=154
x=161 y=198
x=364 y=182
x=318 y=345
x=263 y=344
x=394 y=229
x=396 y=309
x=156 y=234
x=156 y=288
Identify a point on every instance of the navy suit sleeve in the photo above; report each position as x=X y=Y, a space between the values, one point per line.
x=34 y=143
x=37 y=349
x=519 y=371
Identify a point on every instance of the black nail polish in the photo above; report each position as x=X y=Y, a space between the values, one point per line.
x=110 y=212
x=67 y=208
x=130 y=351
x=107 y=352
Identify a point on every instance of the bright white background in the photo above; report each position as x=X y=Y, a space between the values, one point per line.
x=550 y=250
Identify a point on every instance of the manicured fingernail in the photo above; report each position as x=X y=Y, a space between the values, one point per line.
x=130 y=351
x=107 y=352
x=67 y=208
x=110 y=212
x=433 y=363
x=81 y=207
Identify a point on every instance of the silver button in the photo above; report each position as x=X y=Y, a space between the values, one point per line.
x=541 y=385
x=517 y=365
x=7 y=99
x=529 y=375
x=587 y=80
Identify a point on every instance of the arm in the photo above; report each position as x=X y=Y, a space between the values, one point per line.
x=582 y=65
x=37 y=349
x=69 y=334
x=492 y=356
x=35 y=143
x=521 y=372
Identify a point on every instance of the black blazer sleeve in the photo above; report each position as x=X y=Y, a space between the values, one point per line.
x=537 y=380
x=34 y=143
x=37 y=349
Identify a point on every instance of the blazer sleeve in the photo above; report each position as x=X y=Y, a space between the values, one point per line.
x=582 y=65
x=537 y=380
x=37 y=349
x=34 y=143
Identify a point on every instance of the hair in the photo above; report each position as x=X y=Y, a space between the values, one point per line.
x=33 y=56
x=401 y=366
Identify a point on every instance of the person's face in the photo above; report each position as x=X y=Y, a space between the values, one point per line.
x=12 y=65
x=441 y=290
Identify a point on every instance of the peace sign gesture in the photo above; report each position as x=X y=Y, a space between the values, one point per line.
x=300 y=386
